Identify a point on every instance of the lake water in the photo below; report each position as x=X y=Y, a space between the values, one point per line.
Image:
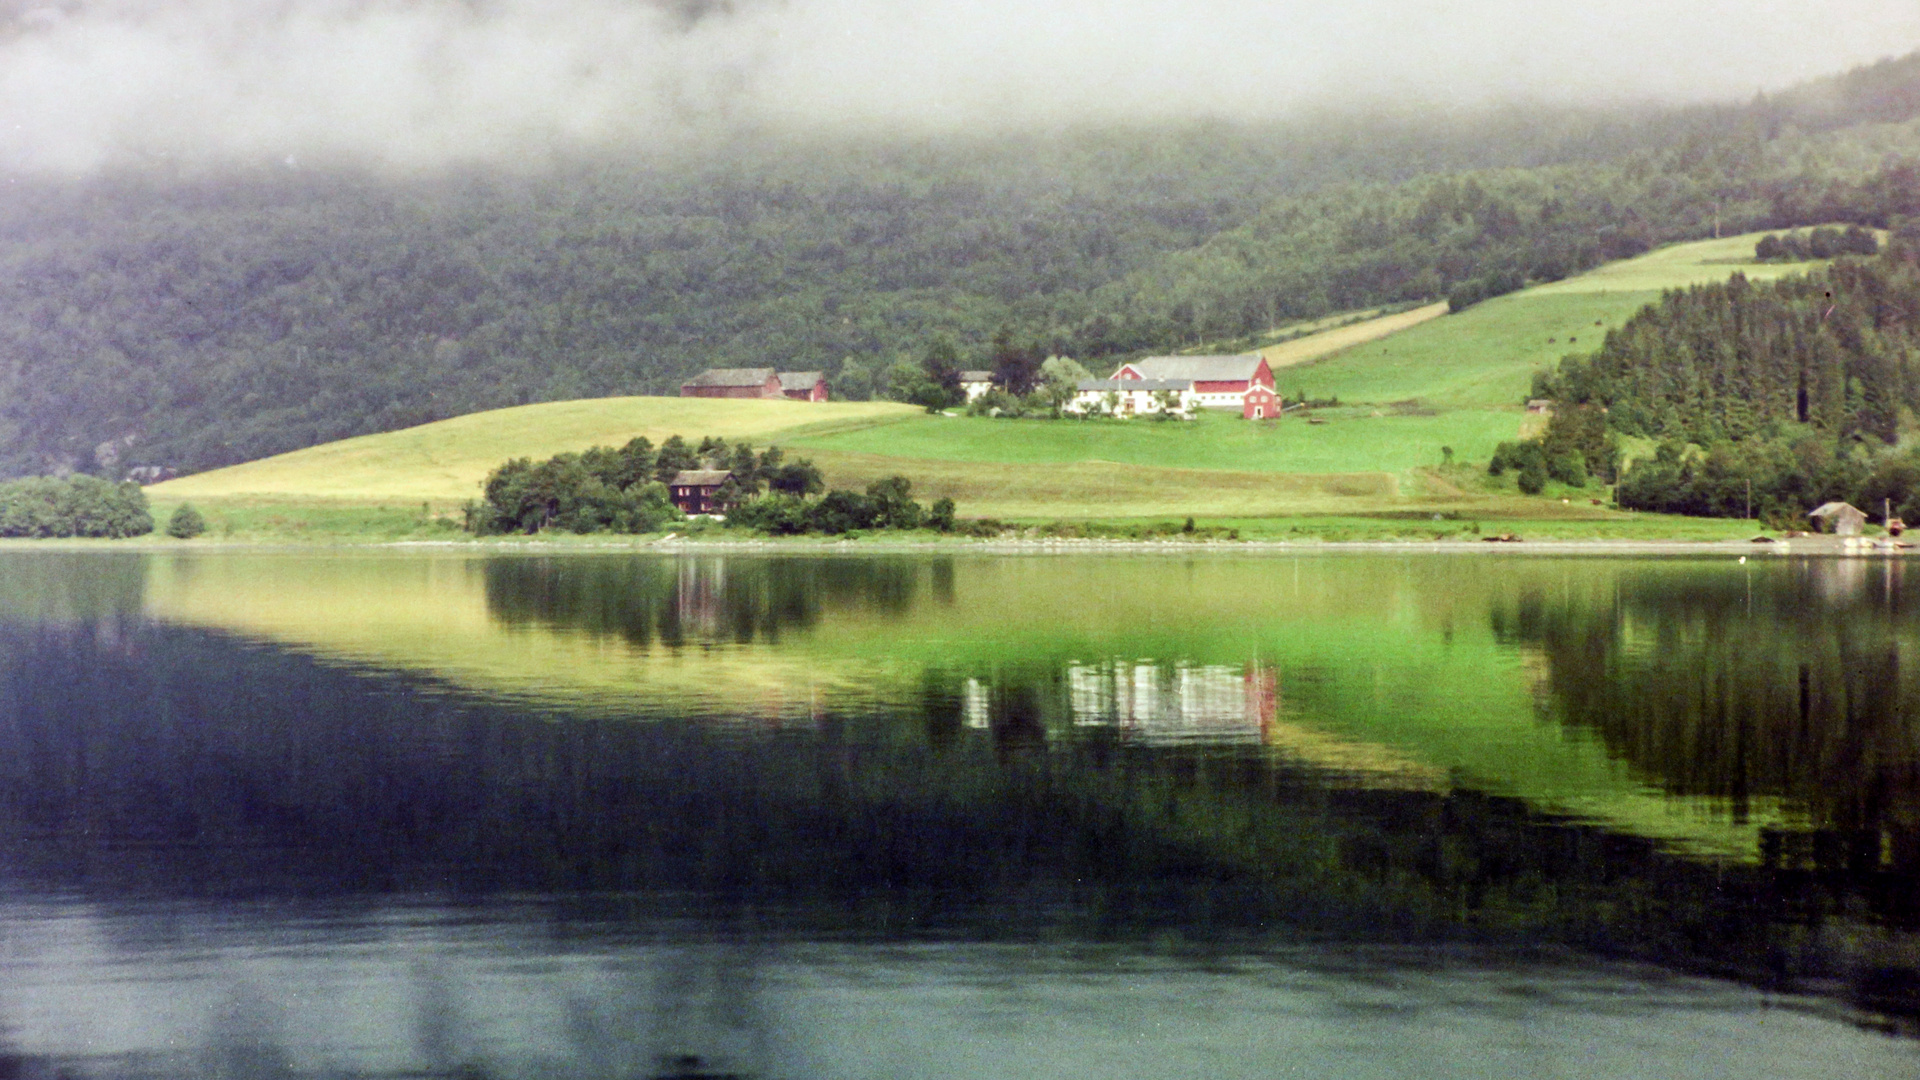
x=462 y=814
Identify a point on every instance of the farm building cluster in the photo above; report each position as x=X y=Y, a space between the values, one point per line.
x=1174 y=385
x=757 y=383
x=1181 y=384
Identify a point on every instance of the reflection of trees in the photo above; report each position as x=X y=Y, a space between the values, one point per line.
x=700 y=599
x=191 y=765
x=70 y=586
x=1800 y=682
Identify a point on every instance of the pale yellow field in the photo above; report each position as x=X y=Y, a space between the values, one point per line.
x=1677 y=267
x=445 y=462
x=1328 y=342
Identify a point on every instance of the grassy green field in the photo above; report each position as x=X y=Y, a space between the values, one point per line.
x=1365 y=471
x=1351 y=440
x=1485 y=356
x=444 y=462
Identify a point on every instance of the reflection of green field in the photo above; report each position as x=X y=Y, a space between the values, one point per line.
x=429 y=614
x=1384 y=662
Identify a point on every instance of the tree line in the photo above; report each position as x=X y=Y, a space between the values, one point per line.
x=1823 y=243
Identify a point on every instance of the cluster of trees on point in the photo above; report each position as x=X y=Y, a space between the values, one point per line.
x=887 y=504
x=1821 y=243
x=625 y=490
x=1497 y=282
x=49 y=506
x=1793 y=390
x=198 y=322
x=1576 y=447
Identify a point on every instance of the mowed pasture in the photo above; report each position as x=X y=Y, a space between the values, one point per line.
x=1485 y=356
x=445 y=462
x=1349 y=441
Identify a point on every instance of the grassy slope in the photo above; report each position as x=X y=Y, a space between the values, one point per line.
x=445 y=461
x=1485 y=356
x=1460 y=380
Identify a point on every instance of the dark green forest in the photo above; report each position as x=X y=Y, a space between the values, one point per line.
x=191 y=320
x=1789 y=393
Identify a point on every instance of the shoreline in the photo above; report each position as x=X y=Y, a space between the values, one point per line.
x=1822 y=545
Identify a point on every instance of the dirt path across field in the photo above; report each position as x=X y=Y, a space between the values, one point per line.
x=1314 y=346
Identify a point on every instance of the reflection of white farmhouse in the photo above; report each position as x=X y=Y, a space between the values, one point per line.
x=974 y=704
x=1177 y=703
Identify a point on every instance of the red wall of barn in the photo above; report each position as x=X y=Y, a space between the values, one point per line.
x=1220 y=386
x=1260 y=404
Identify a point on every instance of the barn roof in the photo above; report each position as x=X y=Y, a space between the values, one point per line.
x=1118 y=385
x=700 y=478
x=797 y=380
x=976 y=376
x=1833 y=509
x=732 y=376
x=1197 y=368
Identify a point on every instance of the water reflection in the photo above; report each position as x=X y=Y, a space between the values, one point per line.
x=1389 y=748
x=1803 y=691
x=703 y=599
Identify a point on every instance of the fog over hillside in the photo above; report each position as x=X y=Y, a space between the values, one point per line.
x=403 y=84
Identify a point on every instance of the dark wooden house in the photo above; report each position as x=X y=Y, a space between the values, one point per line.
x=697 y=491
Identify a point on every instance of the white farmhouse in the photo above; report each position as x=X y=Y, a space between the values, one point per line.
x=975 y=383
x=1132 y=397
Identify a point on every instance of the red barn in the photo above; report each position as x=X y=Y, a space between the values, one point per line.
x=751 y=382
x=803 y=385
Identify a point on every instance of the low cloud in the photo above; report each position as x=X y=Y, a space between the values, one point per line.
x=406 y=84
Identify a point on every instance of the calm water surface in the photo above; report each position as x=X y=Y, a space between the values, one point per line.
x=1369 y=815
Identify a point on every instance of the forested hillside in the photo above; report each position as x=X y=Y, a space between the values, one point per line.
x=191 y=320
x=1795 y=391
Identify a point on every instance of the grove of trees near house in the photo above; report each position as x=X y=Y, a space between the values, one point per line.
x=193 y=320
x=624 y=490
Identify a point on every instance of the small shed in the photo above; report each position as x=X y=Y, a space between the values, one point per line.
x=1839 y=518
x=975 y=383
x=1540 y=405
x=803 y=385
x=696 y=491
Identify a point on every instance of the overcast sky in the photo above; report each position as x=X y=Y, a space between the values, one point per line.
x=409 y=83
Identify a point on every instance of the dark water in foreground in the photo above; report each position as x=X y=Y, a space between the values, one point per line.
x=384 y=815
